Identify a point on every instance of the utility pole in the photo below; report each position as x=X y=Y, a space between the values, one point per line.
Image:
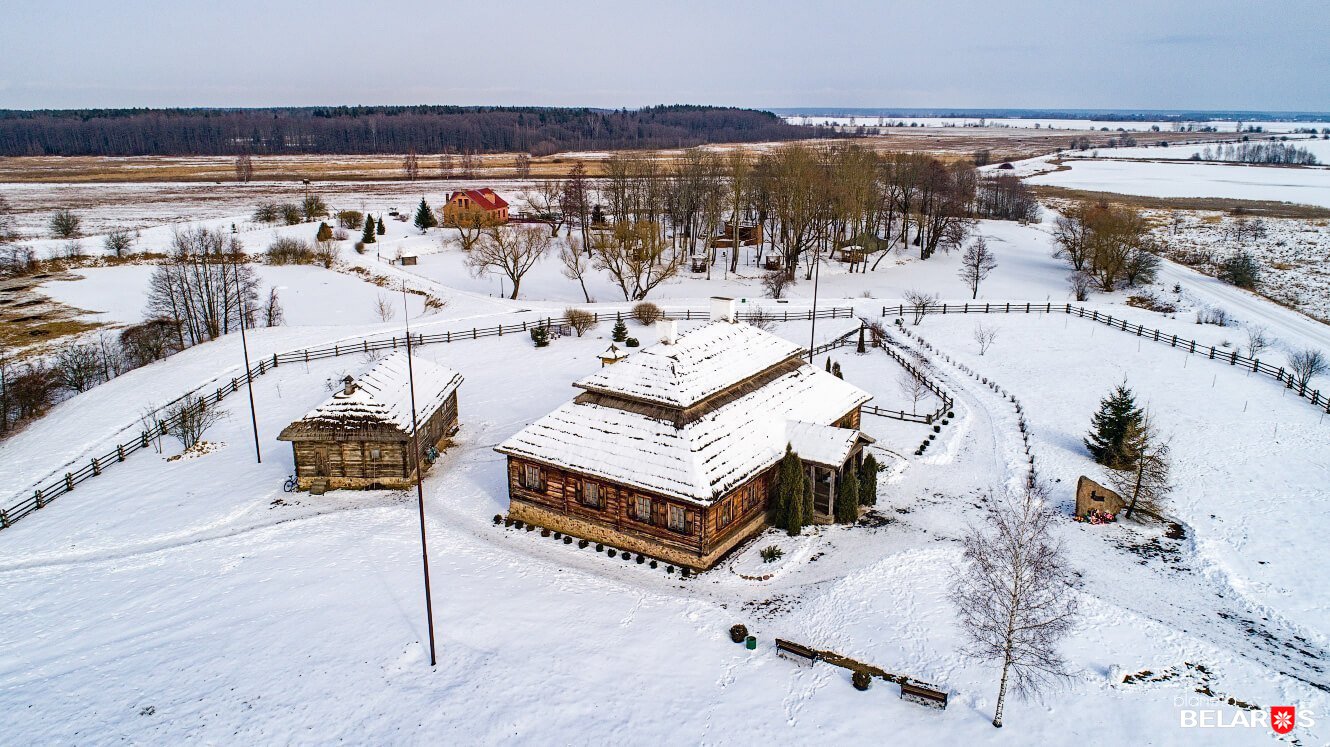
x=244 y=347
x=812 y=327
x=420 y=478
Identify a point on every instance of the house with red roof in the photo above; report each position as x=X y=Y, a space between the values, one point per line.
x=470 y=204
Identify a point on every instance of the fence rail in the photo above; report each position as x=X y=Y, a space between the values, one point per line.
x=1231 y=357
x=44 y=494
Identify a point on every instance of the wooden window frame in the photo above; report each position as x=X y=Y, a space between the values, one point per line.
x=671 y=512
x=524 y=477
x=636 y=510
x=585 y=489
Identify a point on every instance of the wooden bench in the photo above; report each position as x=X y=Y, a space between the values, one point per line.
x=923 y=693
x=796 y=652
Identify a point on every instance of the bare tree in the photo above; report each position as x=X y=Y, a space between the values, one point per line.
x=774 y=282
x=244 y=167
x=522 y=164
x=575 y=266
x=273 y=315
x=913 y=387
x=79 y=367
x=635 y=256
x=1014 y=596
x=384 y=308
x=471 y=225
x=1305 y=365
x=918 y=301
x=188 y=418
x=118 y=242
x=580 y=320
x=1256 y=340
x=976 y=263
x=510 y=251
x=199 y=288
x=985 y=336
x=411 y=165
x=1080 y=283
x=544 y=200
x=1146 y=486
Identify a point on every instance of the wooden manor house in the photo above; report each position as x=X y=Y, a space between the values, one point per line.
x=672 y=452
x=485 y=204
x=361 y=436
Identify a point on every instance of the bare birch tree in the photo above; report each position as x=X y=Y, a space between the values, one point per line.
x=985 y=336
x=913 y=388
x=575 y=266
x=1014 y=596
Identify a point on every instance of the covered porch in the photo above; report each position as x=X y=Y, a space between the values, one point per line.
x=826 y=451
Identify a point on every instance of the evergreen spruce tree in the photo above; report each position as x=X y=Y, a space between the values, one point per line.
x=847 y=497
x=809 y=506
x=620 y=330
x=868 y=481
x=788 y=507
x=425 y=217
x=324 y=234
x=381 y=230
x=368 y=236
x=828 y=364
x=835 y=371
x=1112 y=427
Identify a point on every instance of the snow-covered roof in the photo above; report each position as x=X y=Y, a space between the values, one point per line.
x=700 y=460
x=701 y=362
x=821 y=444
x=382 y=396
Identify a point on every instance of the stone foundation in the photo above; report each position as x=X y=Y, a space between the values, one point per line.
x=594 y=532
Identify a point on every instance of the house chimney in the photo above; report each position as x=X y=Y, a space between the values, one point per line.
x=667 y=331
x=722 y=309
x=348 y=386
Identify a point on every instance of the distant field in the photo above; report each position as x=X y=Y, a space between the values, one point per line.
x=1004 y=144
x=1304 y=186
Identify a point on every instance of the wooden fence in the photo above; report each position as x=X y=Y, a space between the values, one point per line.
x=44 y=494
x=928 y=418
x=1231 y=357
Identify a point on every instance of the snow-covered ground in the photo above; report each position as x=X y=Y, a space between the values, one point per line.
x=1316 y=145
x=1046 y=123
x=176 y=599
x=1305 y=185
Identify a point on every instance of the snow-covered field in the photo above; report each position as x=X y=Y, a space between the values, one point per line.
x=1316 y=145
x=1308 y=185
x=190 y=599
x=1046 y=123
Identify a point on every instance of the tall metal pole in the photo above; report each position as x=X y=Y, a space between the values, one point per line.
x=244 y=346
x=812 y=332
x=420 y=479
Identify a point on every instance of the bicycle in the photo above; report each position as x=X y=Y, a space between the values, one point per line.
x=290 y=485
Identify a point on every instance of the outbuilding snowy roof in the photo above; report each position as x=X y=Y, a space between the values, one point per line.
x=821 y=444
x=700 y=362
x=382 y=397
x=699 y=459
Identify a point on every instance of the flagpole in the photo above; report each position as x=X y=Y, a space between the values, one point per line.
x=420 y=479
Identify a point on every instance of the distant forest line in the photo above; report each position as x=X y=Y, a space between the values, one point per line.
x=380 y=129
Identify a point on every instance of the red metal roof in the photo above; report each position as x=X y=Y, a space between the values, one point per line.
x=484 y=198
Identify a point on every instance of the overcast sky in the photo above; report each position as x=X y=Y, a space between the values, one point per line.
x=1169 y=54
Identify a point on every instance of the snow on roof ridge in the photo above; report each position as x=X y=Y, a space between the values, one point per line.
x=383 y=394
x=697 y=364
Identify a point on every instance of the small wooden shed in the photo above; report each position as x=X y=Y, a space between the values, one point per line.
x=361 y=437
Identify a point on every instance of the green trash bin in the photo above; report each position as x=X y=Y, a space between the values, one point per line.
x=751 y=642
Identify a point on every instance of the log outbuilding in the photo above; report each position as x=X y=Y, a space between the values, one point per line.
x=361 y=437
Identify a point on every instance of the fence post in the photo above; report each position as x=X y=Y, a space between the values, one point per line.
x=4 y=519
x=96 y=467
x=143 y=440
x=120 y=452
x=37 y=496
x=69 y=481
x=274 y=360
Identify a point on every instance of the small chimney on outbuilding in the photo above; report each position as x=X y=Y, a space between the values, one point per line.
x=348 y=386
x=667 y=331
x=722 y=309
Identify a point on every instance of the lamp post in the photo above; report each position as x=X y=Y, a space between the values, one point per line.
x=244 y=347
x=420 y=479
